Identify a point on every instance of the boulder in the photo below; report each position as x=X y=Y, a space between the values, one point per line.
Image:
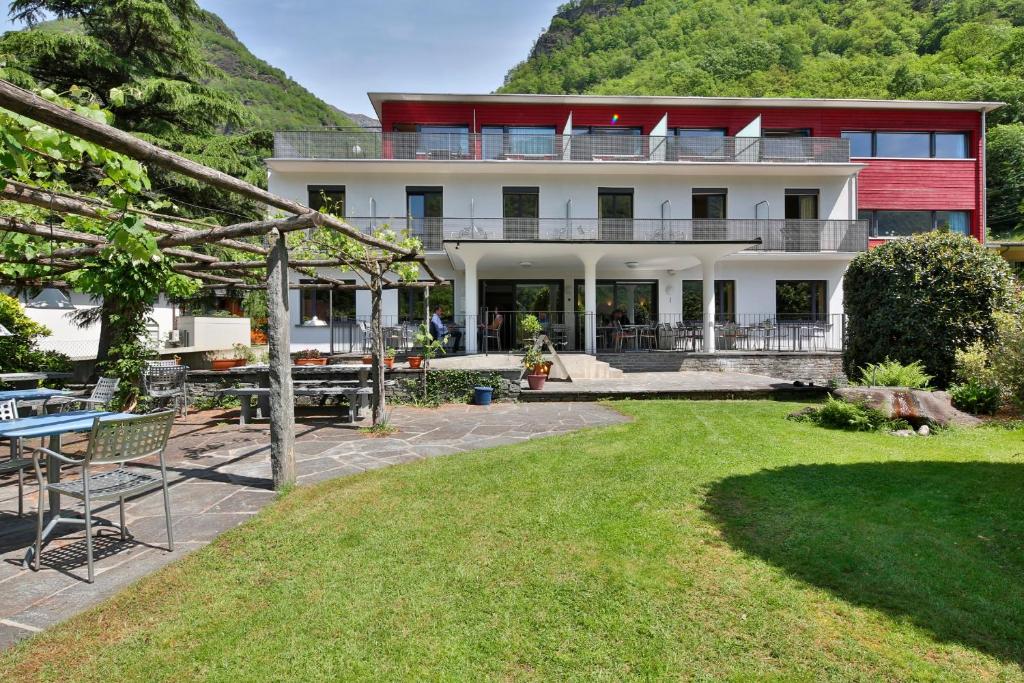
x=933 y=408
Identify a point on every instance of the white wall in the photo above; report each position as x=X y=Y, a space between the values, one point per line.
x=485 y=191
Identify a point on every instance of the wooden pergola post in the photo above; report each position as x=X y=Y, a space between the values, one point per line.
x=282 y=397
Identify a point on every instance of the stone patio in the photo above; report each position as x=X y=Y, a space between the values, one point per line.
x=220 y=475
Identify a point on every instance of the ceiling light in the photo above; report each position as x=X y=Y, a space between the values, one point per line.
x=526 y=264
x=632 y=264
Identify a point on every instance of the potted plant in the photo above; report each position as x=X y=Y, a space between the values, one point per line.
x=389 y=358
x=529 y=329
x=367 y=359
x=310 y=357
x=533 y=361
x=240 y=355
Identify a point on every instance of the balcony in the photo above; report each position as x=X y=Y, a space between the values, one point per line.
x=775 y=235
x=348 y=144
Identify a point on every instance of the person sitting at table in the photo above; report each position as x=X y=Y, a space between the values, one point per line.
x=439 y=330
x=545 y=324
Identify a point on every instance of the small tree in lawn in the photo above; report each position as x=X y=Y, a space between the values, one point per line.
x=921 y=299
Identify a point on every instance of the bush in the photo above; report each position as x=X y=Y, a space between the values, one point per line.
x=449 y=386
x=853 y=417
x=922 y=298
x=891 y=373
x=1007 y=356
x=976 y=397
x=18 y=352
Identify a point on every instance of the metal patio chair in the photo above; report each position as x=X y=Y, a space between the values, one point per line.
x=102 y=394
x=167 y=384
x=647 y=337
x=15 y=463
x=493 y=331
x=111 y=442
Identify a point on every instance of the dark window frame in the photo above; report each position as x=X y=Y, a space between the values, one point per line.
x=725 y=300
x=873 y=220
x=817 y=294
x=316 y=192
x=931 y=142
x=710 y=192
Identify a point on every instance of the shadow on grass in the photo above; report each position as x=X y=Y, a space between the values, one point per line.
x=940 y=544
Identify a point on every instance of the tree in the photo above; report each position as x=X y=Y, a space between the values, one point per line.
x=921 y=299
x=141 y=61
x=1006 y=180
x=19 y=352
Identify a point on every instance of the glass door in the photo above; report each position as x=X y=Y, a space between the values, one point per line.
x=614 y=214
x=426 y=210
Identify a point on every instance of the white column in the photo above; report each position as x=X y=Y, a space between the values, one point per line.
x=708 y=268
x=471 y=290
x=590 y=305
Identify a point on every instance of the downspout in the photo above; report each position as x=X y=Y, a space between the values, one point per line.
x=767 y=206
x=983 y=218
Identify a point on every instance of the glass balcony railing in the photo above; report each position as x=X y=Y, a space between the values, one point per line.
x=344 y=144
x=770 y=235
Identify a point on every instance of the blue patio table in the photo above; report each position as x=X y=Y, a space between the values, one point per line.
x=52 y=427
x=37 y=394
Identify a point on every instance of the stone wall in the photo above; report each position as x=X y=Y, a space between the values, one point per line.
x=818 y=367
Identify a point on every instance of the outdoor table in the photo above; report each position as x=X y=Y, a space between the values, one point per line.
x=52 y=426
x=38 y=394
x=360 y=370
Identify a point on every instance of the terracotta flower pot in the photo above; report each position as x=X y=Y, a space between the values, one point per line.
x=536 y=382
x=415 y=362
x=311 y=361
x=389 y=363
x=225 y=363
x=367 y=360
x=542 y=368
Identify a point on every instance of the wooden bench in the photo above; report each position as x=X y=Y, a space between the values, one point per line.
x=356 y=396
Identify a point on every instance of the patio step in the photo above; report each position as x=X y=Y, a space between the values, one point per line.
x=820 y=367
x=583 y=366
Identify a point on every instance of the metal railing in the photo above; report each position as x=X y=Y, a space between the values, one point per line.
x=329 y=143
x=775 y=234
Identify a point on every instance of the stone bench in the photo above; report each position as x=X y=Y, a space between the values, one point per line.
x=355 y=395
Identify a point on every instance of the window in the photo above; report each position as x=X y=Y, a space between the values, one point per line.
x=426 y=210
x=801 y=204
x=903 y=145
x=861 y=143
x=916 y=145
x=521 y=212
x=950 y=146
x=442 y=142
x=615 y=213
x=412 y=302
x=725 y=300
x=698 y=142
x=801 y=300
x=500 y=142
x=330 y=198
x=904 y=223
x=325 y=305
x=709 y=203
x=786 y=133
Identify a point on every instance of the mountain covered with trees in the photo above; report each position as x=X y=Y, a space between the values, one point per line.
x=912 y=49
x=172 y=74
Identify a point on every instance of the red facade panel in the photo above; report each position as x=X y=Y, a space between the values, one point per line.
x=935 y=184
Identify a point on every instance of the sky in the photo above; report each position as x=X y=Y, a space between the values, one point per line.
x=342 y=49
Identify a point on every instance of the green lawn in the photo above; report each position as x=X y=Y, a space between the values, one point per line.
x=705 y=539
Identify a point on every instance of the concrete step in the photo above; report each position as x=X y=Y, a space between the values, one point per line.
x=583 y=366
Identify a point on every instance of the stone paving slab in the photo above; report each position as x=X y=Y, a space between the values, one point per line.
x=220 y=477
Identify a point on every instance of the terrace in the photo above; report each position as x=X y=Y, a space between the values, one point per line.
x=767 y=235
x=349 y=144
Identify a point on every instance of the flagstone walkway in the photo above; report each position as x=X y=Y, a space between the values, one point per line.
x=220 y=473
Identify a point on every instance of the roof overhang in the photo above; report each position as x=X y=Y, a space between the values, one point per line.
x=1011 y=251
x=378 y=98
x=433 y=168
x=568 y=255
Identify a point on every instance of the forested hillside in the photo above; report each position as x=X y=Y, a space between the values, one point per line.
x=917 y=49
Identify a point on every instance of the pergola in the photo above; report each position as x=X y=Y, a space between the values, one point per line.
x=175 y=236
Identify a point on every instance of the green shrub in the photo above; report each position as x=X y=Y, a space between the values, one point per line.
x=854 y=417
x=976 y=397
x=922 y=298
x=1007 y=356
x=892 y=373
x=972 y=364
x=449 y=386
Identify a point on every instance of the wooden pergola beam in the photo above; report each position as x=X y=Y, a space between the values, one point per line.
x=90 y=208
x=31 y=105
x=216 y=234
x=346 y=287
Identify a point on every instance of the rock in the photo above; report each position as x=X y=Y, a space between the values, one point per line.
x=923 y=430
x=932 y=408
x=902 y=432
x=802 y=414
